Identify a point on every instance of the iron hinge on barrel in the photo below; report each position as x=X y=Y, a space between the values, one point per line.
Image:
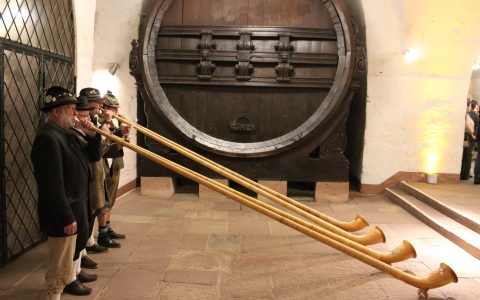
x=242 y=124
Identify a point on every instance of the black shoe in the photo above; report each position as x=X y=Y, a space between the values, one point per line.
x=88 y=263
x=96 y=248
x=117 y=236
x=84 y=277
x=77 y=288
x=106 y=241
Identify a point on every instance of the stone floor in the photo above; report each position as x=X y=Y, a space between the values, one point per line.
x=190 y=248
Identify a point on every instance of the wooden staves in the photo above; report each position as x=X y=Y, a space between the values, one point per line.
x=250 y=82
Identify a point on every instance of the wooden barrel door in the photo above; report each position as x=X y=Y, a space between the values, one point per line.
x=262 y=86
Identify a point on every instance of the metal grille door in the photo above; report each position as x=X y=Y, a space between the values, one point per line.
x=36 y=51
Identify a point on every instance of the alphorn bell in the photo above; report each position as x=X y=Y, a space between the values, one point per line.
x=442 y=276
x=373 y=237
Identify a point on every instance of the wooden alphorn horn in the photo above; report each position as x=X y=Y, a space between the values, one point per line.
x=442 y=276
x=402 y=252
x=373 y=237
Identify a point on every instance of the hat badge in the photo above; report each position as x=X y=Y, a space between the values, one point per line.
x=50 y=98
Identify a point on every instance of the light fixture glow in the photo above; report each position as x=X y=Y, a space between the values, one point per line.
x=410 y=55
x=433 y=128
x=104 y=81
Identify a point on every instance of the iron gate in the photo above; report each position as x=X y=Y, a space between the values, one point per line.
x=36 y=51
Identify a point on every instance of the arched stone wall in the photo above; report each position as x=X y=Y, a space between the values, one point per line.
x=415 y=111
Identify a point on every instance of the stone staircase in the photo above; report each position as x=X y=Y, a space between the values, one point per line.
x=445 y=219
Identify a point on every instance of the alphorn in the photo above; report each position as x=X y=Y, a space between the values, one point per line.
x=400 y=253
x=442 y=276
x=373 y=237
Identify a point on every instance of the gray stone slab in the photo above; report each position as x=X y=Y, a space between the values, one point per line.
x=174 y=213
x=359 y=287
x=246 y=286
x=224 y=243
x=143 y=206
x=31 y=286
x=168 y=227
x=178 y=291
x=266 y=263
x=266 y=244
x=133 y=219
x=133 y=284
x=227 y=206
x=193 y=205
x=211 y=215
x=22 y=268
x=207 y=226
x=200 y=261
x=303 y=244
x=154 y=249
x=296 y=284
x=194 y=242
x=247 y=226
x=192 y=277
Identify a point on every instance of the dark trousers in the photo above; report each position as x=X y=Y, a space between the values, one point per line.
x=476 y=170
x=467 y=162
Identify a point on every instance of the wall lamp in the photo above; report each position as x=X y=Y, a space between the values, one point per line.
x=410 y=55
x=112 y=68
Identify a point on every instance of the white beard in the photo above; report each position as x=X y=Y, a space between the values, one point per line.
x=66 y=120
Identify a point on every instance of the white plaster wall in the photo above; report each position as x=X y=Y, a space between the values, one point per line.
x=116 y=24
x=84 y=15
x=474 y=89
x=415 y=111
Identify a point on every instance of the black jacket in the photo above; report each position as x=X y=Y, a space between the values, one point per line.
x=61 y=169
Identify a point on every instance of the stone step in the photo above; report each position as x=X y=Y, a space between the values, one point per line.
x=450 y=211
x=456 y=232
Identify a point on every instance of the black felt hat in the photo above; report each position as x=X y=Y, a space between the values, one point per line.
x=82 y=104
x=57 y=96
x=92 y=94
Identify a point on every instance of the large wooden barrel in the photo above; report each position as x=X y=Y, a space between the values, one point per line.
x=263 y=86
